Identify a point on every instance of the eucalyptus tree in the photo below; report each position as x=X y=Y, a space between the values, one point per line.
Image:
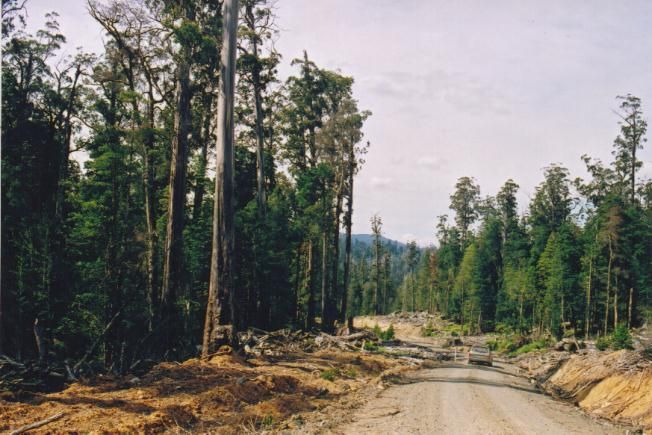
x=143 y=43
x=221 y=307
x=631 y=139
x=258 y=71
x=464 y=201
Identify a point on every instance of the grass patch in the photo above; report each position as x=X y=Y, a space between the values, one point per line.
x=351 y=373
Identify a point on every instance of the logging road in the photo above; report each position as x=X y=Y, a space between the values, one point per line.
x=456 y=398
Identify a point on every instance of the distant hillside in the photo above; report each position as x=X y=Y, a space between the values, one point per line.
x=368 y=239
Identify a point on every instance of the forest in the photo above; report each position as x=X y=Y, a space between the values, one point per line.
x=127 y=235
x=577 y=262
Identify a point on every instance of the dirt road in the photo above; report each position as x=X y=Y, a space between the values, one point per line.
x=456 y=398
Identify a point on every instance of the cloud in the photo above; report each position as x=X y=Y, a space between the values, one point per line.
x=464 y=92
x=407 y=237
x=381 y=182
x=430 y=162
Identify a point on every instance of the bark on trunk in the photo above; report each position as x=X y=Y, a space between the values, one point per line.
x=377 y=289
x=629 y=307
x=221 y=294
x=608 y=292
x=260 y=135
x=615 y=305
x=172 y=279
x=325 y=290
x=150 y=217
x=347 y=256
x=310 y=318
x=203 y=158
x=587 y=311
x=335 y=262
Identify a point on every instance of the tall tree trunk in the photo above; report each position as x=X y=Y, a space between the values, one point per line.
x=347 y=249
x=150 y=215
x=633 y=176
x=414 y=290
x=221 y=294
x=608 y=291
x=203 y=158
x=325 y=290
x=56 y=240
x=172 y=278
x=297 y=287
x=587 y=311
x=310 y=315
x=629 y=307
x=258 y=103
x=377 y=289
x=335 y=263
x=616 y=303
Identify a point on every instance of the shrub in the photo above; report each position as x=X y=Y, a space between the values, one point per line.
x=505 y=344
x=330 y=374
x=384 y=335
x=504 y=328
x=602 y=343
x=530 y=347
x=648 y=352
x=389 y=334
x=569 y=333
x=621 y=338
x=428 y=330
x=370 y=346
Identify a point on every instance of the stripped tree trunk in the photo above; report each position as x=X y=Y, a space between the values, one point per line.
x=221 y=294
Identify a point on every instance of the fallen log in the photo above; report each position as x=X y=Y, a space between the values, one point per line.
x=37 y=424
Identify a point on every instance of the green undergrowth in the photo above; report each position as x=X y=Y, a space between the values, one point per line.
x=385 y=335
x=514 y=345
x=531 y=347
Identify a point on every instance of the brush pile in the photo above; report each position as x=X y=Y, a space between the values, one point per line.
x=262 y=343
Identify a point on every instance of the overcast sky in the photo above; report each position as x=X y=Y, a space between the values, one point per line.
x=489 y=89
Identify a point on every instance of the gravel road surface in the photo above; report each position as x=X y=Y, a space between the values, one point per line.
x=456 y=398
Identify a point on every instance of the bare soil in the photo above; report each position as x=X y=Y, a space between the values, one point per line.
x=225 y=394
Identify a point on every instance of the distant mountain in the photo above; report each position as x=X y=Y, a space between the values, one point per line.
x=368 y=239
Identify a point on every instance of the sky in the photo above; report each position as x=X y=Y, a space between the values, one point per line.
x=493 y=90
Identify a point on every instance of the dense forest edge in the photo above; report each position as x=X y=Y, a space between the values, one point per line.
x=108 y=263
